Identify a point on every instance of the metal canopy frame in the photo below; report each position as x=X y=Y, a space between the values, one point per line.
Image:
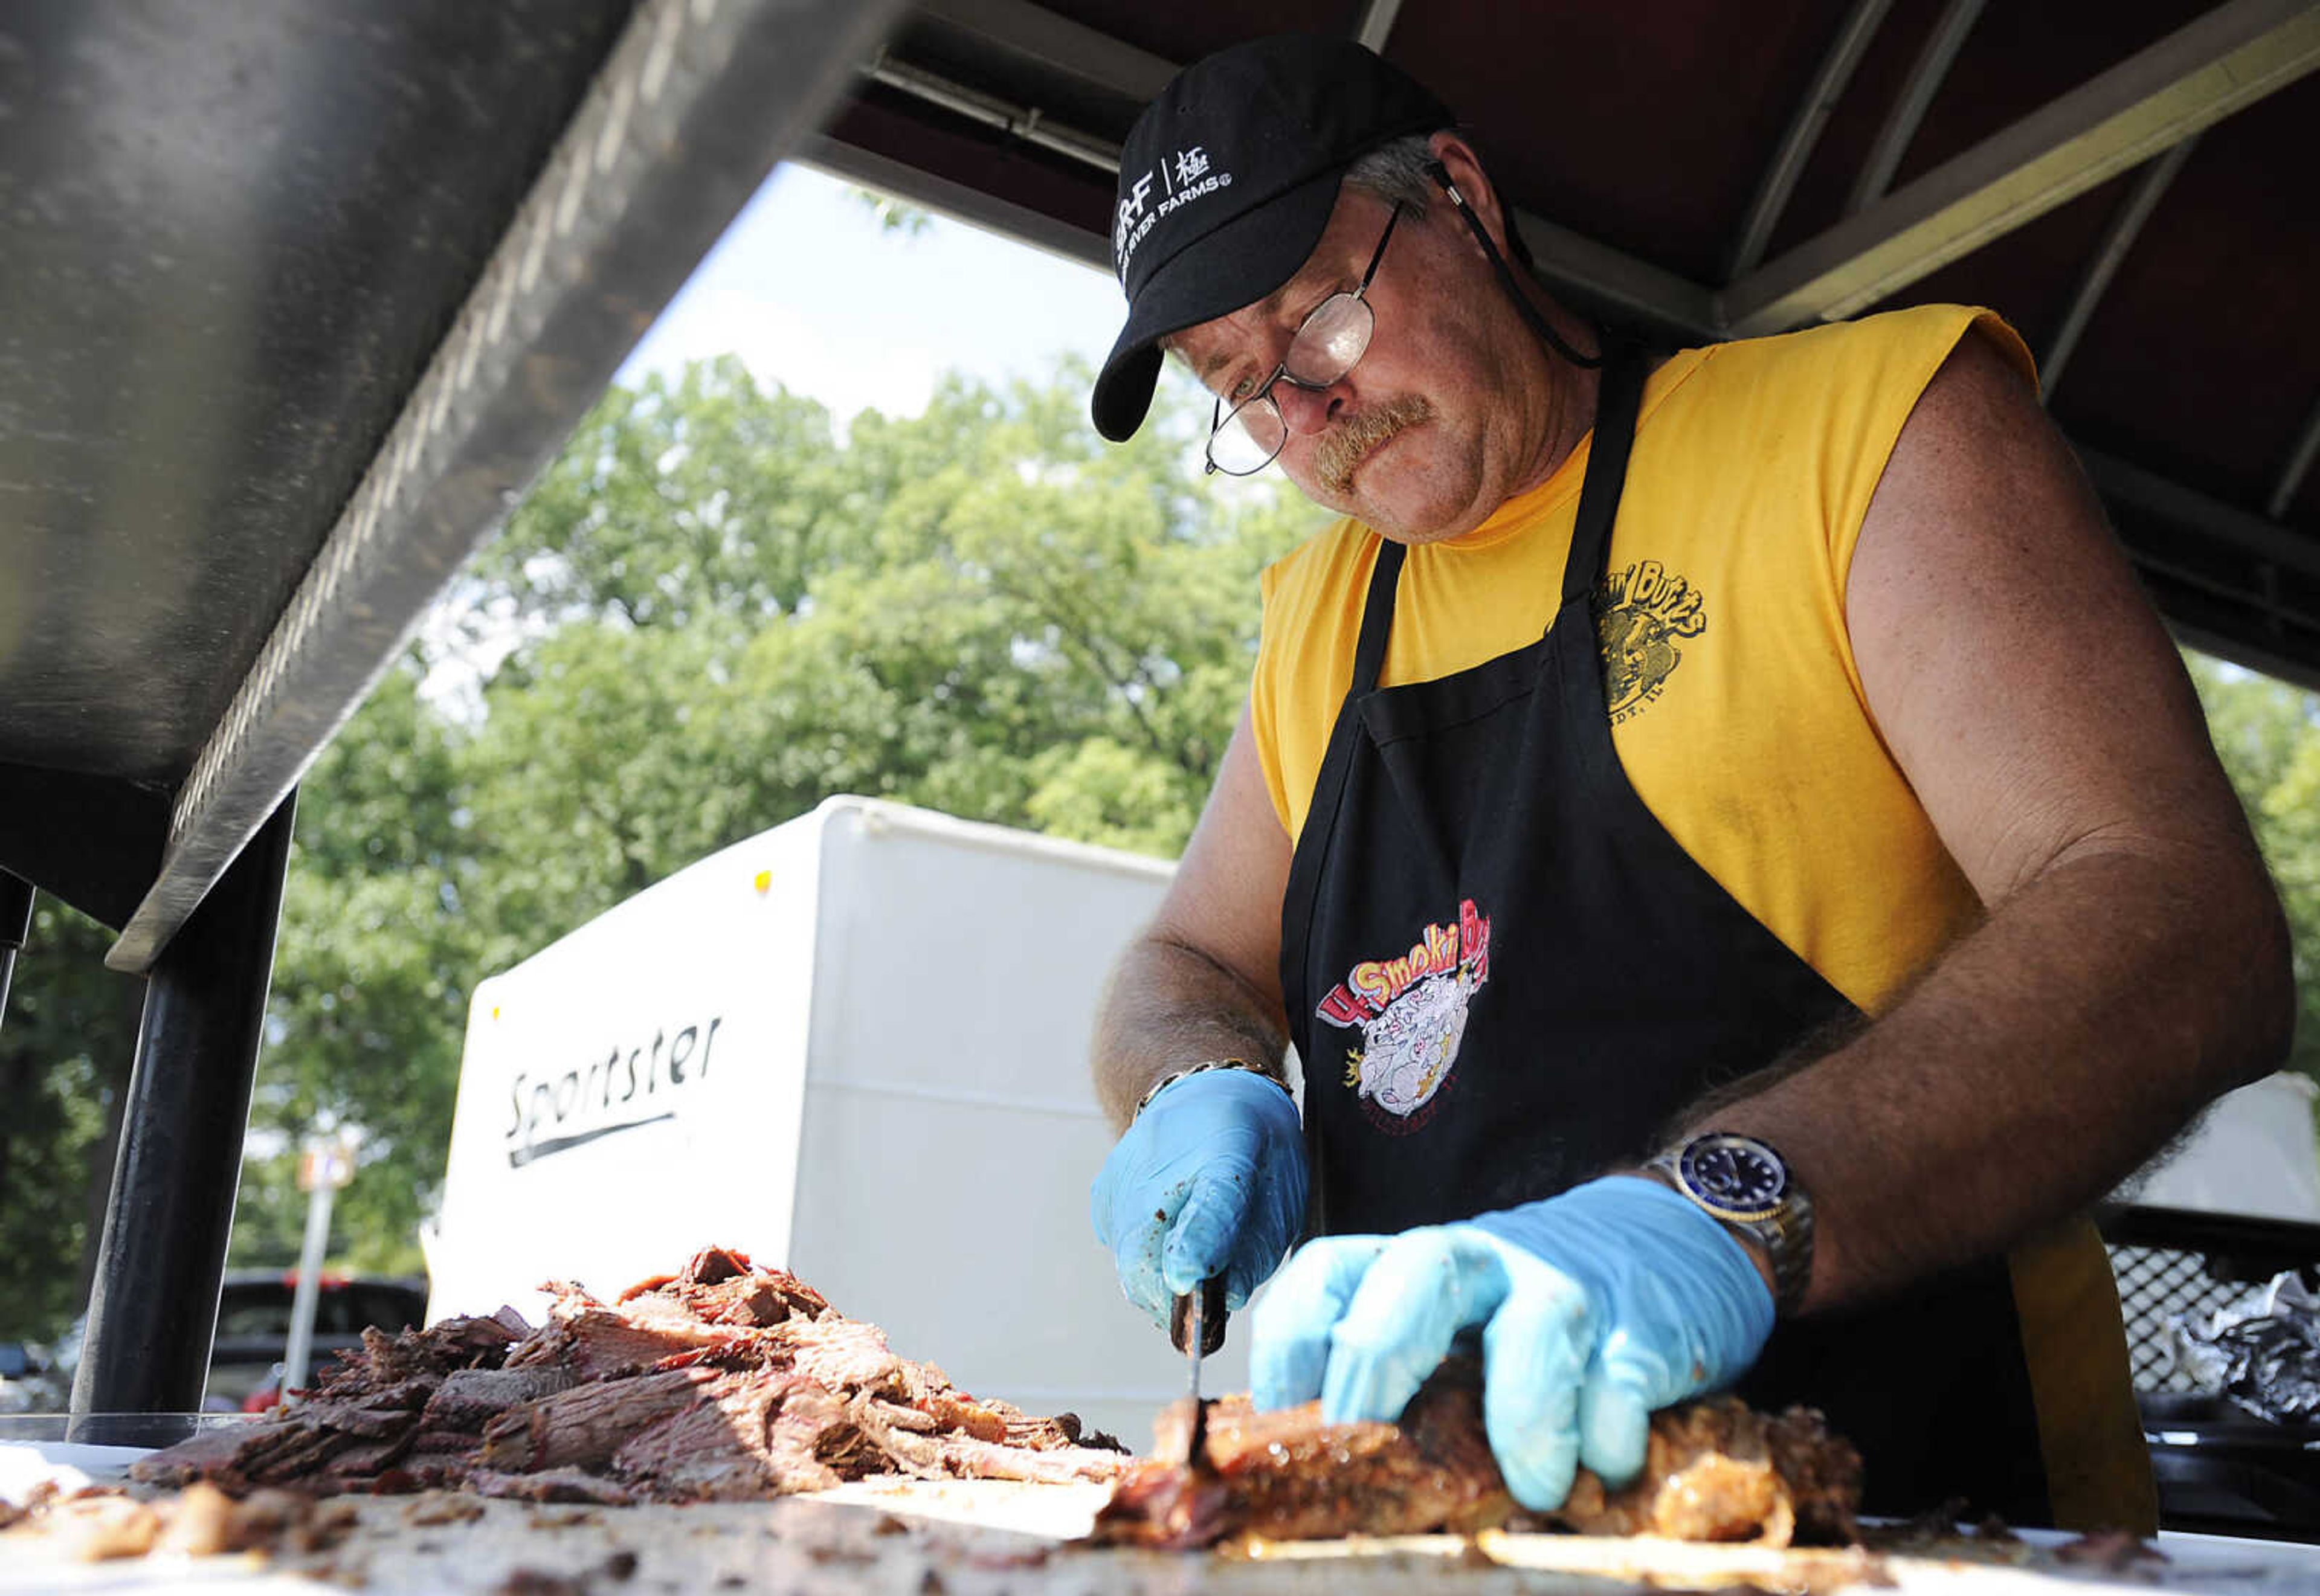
x=2191 y=80
x=1805 y=128
x=2150 y=188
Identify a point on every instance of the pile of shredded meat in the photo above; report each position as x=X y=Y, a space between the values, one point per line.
x=1717 y=1471
x=725 y=1381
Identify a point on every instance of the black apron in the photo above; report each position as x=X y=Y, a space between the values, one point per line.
x=1505 y=977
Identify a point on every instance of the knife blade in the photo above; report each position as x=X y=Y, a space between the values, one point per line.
x=1196 y=1324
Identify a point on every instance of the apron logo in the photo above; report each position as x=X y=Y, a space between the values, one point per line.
x=1640 y=614
x=1411 y=1012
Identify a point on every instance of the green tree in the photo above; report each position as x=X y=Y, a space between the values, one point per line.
x=2268 y=735
x=65 y=1051
x=372 y=971
x=891 y=214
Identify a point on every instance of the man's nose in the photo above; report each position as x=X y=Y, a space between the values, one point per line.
x=1308 y=410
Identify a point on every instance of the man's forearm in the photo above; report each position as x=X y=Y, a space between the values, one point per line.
x=2044 y=1059
x=1168 y=1006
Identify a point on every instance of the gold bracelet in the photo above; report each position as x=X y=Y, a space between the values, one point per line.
x=1166 y=1081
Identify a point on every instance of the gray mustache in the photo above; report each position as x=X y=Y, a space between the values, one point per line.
x=1339 y=452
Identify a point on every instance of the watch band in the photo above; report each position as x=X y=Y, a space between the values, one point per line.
x=1166 y=1081
x=1782 y=1225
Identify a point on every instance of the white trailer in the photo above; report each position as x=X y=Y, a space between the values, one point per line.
x=855 y=1046
x=2252 y=1154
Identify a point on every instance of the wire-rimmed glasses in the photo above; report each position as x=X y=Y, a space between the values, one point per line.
x=1247 y=438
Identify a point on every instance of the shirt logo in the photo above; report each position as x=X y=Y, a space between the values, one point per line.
x=1641 y=614
x=1411 y=1014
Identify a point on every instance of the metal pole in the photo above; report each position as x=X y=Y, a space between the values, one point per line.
x=15 y=926
x=1924 y=81
x=152 y=1313
x=1796 y=145
x=310 y=1286
x=2125 y=227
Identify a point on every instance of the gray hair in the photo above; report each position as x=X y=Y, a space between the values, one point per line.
x=1397 y=169
x=1403 y=170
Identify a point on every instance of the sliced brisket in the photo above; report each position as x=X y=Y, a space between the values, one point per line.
x=1715 y=1471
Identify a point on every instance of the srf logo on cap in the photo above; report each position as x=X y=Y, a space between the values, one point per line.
x=1184 y=176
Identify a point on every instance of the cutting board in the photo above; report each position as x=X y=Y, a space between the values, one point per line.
x=982 y=1538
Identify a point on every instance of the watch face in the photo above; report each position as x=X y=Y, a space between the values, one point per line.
x=1735 y=1173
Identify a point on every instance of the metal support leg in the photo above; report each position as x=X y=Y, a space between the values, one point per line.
x=16 y=925
x=153 y=1312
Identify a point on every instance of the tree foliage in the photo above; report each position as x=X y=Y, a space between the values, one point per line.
x=891 y=214
x=65 y=1052
x=2268 y=734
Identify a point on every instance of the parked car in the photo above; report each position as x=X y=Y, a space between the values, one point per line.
x=29 y=1382
x=253 y=1336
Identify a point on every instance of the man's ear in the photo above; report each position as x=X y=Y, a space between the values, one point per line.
x=1465 y=168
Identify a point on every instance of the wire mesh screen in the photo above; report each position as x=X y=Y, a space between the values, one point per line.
x=2156 y=1284
x=2173 y=1264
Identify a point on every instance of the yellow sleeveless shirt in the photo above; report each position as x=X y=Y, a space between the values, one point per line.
x=1738 y=715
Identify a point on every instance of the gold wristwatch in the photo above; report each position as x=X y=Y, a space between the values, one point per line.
x=1746 y=1185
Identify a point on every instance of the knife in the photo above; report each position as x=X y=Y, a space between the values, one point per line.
x=1196 y=1324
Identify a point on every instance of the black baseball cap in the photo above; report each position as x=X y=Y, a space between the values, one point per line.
x=1227 y=182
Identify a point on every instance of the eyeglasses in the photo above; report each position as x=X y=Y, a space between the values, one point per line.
x=1245 y=440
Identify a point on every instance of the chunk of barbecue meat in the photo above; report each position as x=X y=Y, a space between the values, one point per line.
x=591 y=1340
x=458 y=1343
x=721 y=1286
x=584 y=1426
x=756 y=1436
x=213 y=1455
x=1718 y=1470
x=1715 y=1471
x=470 y=1398
x=920 y=1443
x=1285 y=1476
x=845 y=1355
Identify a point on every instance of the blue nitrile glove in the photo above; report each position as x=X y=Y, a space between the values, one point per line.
x=1596 y=1308
x=1210 y=1179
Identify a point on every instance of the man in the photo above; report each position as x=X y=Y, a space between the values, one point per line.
x=1740 y=863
